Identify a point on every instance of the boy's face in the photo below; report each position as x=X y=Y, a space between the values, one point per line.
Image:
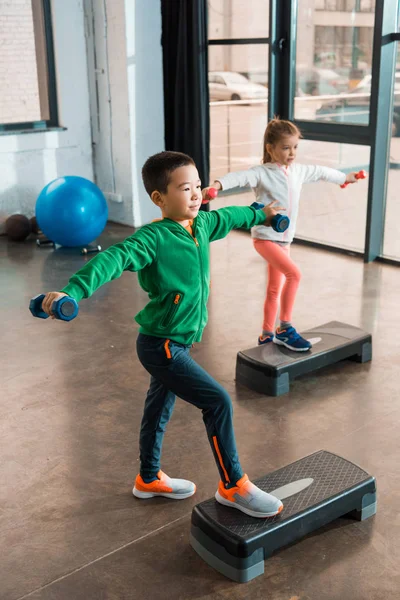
x=183 y=198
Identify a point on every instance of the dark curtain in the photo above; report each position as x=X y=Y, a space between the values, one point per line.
x=186 y=98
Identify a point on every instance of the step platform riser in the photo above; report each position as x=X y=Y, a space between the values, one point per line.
x=269 y=369
x=237 y=545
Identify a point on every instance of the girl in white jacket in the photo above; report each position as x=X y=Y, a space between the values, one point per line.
x=279 y=178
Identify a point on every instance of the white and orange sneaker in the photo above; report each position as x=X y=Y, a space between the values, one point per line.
x=177 y=489
x=248 y=498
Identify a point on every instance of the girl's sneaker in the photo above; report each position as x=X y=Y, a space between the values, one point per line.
x=248 y=498
x=178 y=489
x=292 y=340
x=265 y=339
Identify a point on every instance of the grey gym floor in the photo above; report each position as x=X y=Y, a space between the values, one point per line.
x=71 y=403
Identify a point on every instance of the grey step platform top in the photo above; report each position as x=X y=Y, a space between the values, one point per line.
x=324 y=476
x=334 y=336
x=270 y=368
x=315 y=491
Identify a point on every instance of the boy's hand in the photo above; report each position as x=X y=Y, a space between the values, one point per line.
x=271 y=210
x=48 y=300
x=216 y=185
x=352 y=177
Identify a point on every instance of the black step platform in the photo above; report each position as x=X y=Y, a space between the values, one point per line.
x=314 y=490
x=270 y=368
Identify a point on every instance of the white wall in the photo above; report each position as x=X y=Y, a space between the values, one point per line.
x=106 y=46
x=146 y=96
x=28 y=161
x=126 y=98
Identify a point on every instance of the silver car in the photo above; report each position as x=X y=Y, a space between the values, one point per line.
x=228 y=85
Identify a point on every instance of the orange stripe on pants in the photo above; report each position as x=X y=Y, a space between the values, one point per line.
x=217 y=450
x=167 y=350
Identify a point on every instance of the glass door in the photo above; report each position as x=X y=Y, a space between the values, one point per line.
x=328 y=65
x=238 y=82
x=391 y=242
x=332 y=71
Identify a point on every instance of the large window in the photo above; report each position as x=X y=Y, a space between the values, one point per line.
x=237 y=19
x=238 y=82
x=345 y=5
x=238 y=108
x=323 y=65
x=334 y=60
x=391 y=241
x=27 y=82
x=328 y=214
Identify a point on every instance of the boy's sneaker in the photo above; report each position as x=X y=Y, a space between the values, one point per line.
x=265 y=339
x=248 y=498
x=291 y=339
x=177 y=489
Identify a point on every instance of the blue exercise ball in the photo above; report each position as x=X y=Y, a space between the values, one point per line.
x=71 y=211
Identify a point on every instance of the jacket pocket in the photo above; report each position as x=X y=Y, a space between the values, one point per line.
x=171 y=307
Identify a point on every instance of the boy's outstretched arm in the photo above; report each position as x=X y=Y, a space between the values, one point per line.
x=221 y=222
x=133 y=254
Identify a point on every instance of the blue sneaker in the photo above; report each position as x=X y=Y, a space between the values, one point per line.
x=292 y=340
x=265 y=339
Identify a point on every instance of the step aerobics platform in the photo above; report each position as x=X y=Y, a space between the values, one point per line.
x=314 y=490
x=270 y=368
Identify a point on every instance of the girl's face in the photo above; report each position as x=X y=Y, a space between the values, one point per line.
x=284 y=151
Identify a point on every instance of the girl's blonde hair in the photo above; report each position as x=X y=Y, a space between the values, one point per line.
x=275 y=130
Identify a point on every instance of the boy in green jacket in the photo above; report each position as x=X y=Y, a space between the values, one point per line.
x=172 y=259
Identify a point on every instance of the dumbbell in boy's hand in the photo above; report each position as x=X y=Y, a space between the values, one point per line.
x=48 y=300
x=278 y=222
x=55 y=304
x=271 y=210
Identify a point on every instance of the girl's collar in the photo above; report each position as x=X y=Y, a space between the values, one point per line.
x=277 y=165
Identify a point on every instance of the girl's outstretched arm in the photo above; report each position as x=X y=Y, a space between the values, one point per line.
x=249 y=177
x=314 y=173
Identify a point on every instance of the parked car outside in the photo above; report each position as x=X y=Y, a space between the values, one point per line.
x=259 y=76
x=314 y=81
x=229 y=85
x=354 y=107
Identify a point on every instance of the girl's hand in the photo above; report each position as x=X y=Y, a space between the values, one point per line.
x=351 y=177
x=271 y=210
x=48 y=300
x=216 y=185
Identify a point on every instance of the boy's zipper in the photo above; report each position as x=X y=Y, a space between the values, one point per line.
x=201 y=276
x=193 y=237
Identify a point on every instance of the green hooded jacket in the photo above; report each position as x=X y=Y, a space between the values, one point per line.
x=173 y=268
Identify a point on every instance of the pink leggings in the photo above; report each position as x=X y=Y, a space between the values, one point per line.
x=283 y=276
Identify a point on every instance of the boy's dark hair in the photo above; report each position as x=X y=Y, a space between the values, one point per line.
x=158 y=168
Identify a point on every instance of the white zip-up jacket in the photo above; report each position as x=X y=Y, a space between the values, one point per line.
x=273 y=181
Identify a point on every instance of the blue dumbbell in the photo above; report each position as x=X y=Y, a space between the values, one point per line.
x=279 y=222
x=65 y=309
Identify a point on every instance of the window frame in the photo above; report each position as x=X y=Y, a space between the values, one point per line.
x=341 y=5
x=52 y=121
x=376 y=134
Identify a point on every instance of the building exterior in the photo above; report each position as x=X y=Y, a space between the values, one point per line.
x=332 y=34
